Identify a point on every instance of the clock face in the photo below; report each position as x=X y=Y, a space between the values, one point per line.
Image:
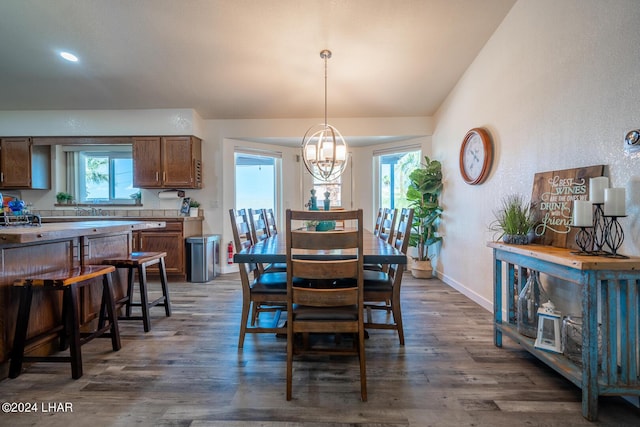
x=475 y=156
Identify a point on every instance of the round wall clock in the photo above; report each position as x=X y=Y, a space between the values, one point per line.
x=476 y=156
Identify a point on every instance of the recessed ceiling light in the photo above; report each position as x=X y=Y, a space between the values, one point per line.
x=69 y=56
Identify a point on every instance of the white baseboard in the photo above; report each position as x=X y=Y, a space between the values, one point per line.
x=472 y=295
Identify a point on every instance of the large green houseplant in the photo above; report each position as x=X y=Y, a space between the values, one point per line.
x=424 y=190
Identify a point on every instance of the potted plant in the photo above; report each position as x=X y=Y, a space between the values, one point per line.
x=424 y=189
x=137 y=197
x=63 y=198
x=194 y=206
x=515 y=220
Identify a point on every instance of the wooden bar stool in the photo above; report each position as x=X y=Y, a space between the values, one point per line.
x=68 y=281
x=139 y=261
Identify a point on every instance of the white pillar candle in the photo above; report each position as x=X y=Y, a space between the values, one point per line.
x=614 y=203
x=582 y=213
x=596 y=188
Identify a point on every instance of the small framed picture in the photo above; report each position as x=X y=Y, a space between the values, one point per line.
x=184 y=209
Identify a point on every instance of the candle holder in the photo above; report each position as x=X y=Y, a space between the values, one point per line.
x=614 y=236
x=584 y=240
x=600 y=226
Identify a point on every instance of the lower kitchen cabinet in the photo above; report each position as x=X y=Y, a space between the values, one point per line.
x=171 y=240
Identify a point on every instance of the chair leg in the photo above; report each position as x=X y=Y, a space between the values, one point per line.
x=397 y=317
x=144 y=300
x=64 y=334
x=254 y=313
x=20 y=336
x=290 y=343
x=246 y=302
x=129 y=298
x=73 y=327
x=109 y=303
x=363 y=366
x=165 y=287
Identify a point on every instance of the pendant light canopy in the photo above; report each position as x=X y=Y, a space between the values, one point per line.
x=324 y=150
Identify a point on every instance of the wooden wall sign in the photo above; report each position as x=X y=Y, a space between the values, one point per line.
x=553 y=195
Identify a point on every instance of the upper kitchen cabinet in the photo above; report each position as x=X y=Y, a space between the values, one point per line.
x=167 y=162
x=24 y=165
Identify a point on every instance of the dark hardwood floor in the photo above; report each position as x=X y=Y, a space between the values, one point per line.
x=188 y=371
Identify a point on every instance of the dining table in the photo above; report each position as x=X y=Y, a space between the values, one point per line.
x=274 y=250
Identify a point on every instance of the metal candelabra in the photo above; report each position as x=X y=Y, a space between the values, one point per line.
x=606 y=231
x=614 y=236
x=584 y=240
x=599 y=229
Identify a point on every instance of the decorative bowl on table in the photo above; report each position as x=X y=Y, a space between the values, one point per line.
x=326 y=226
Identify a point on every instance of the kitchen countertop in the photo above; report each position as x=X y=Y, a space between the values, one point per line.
x=62 y=230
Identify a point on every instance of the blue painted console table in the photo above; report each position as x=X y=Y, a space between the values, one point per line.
x=611 y=284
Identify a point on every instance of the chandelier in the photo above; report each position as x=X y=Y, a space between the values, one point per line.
x=324 y=150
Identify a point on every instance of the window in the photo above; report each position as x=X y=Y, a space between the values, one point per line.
x=334 y=188
x=393 y=172
x=100 y=175
x=256 y=179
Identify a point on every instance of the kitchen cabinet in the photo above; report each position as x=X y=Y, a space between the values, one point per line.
x=167 y=162
x=171 y=240
x=609 y=289
x=23 y=165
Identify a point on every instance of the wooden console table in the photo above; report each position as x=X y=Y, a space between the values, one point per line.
x=611 y=284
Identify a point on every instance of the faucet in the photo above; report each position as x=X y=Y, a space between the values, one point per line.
x=82 y=211
x=93 y=211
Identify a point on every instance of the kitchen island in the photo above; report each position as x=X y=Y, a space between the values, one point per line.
x=31 y=249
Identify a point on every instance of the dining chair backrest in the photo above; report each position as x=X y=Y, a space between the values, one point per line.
x=271 y=222
x=387 y=224
x=376 y=229
x=401 y=239
x=323 y=306
x=403 y=230
x=312 y=242
x=259 y=226
x=241 y=227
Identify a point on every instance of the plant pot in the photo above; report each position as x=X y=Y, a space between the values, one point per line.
x=422 y=269
x=518 y=239
x=194 y=211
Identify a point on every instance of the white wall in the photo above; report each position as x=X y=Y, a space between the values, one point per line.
x=557 y=86
x=100 y=122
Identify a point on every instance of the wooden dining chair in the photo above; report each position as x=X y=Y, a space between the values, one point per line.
x=259 y=227
x=241 y=225
x=261 y=291
x=269 y=219
x=382 y=289
x=376 y=228
x=384 y=230
x=271 y=222
x=322 y=306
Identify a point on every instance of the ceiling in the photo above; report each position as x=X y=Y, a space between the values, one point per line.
x=241 y=59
